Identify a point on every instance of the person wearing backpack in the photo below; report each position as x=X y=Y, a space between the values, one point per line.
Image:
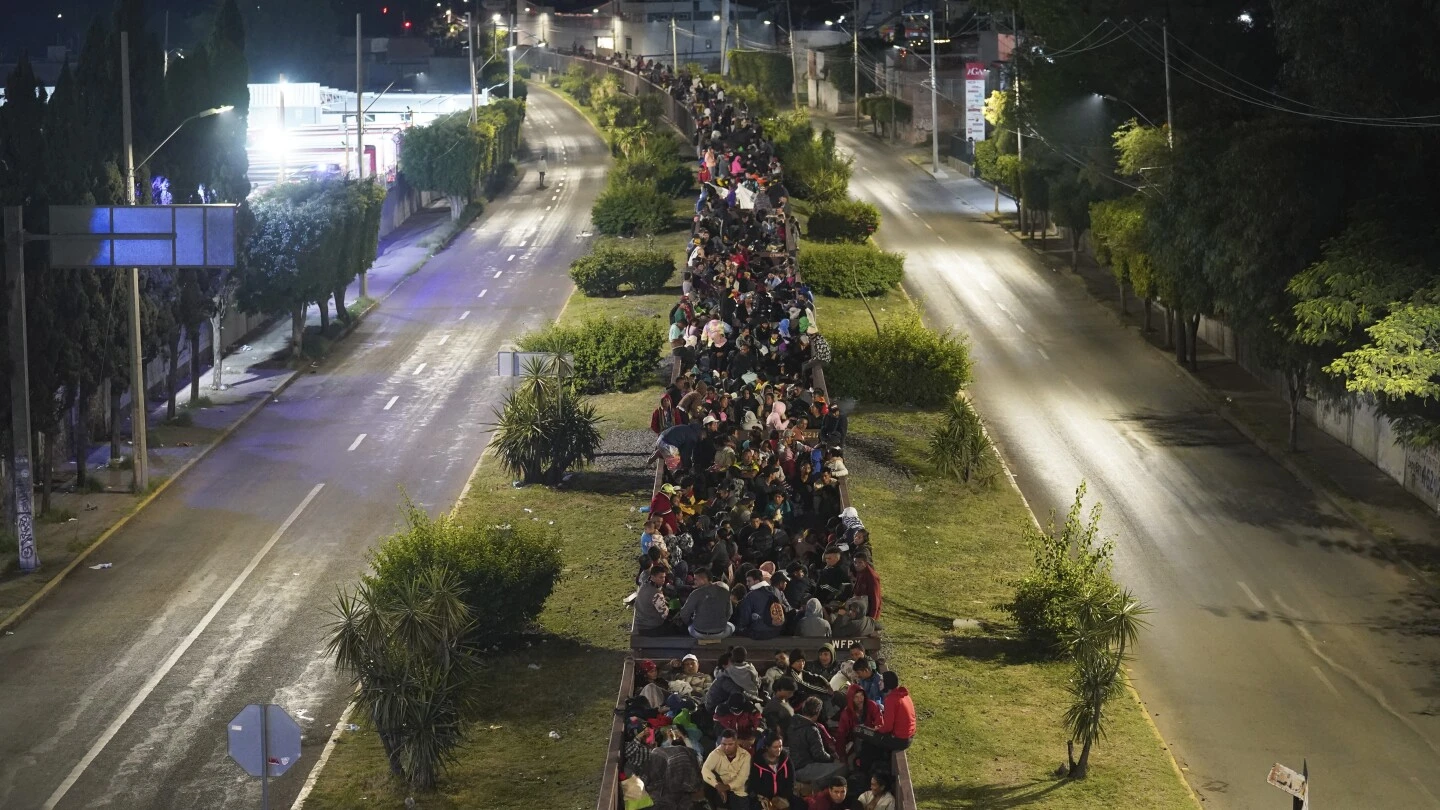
x=763 y=613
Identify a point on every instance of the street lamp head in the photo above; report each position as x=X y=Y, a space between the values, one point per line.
x=715 y=18
x=495 y=17
x=218 y=110
x=829 y=22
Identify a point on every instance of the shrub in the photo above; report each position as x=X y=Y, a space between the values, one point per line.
x=506 y=573
x=601 y=272
x=850 y=271
x=545 y=428
x=906 y=364
x=844 y=221
x=577 y=84
x=628 y=207
x=814 y=169
x=1070 y=563
x=610 y=355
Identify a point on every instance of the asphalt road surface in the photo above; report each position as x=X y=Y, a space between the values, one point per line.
x=1278 y=634
x=117 y=689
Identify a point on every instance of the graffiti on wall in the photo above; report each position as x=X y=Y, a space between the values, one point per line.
x=1422 y=474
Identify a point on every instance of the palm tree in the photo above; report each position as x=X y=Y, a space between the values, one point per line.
x=1108 y=621
x=545 y=427
x=403 y=646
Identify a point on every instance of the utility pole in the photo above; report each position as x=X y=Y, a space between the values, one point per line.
x=674 y=48
x=165 y=48
x=794 y=75
x=934 y=106
x=724 y=26
x=474 y=93
x=855 y=58
x=284 y=145
x=22 y=481
x=360 y=124
x=1169 y=125
x=510 y=40
x=1019 y=127
x=138 y=416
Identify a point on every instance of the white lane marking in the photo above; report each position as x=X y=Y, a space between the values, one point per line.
x=1021 y=328
x=420 y=368
x=497 y=275
x=391 y=403
x=865 y=169
x=175 y=655
x=1421 y=787
x=547 y=208
x=1043 y=354
x=941 y=238
x=556 y=197
x=1253 y=598
x=931 y=227
x=1325 y=680
x=915 y=215
x=522 y=242
x=482 y=294
x=1001 y=307
x=512 y=258
x=907 y=206
x=464 y=314
x=443 y=339
x=356 y=443
x=984 y=285
x=324 y=758
x=1370 y=690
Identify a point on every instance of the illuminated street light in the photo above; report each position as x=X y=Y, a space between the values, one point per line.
x=204 y=114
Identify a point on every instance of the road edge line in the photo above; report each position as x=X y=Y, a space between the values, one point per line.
x=1130 y=689
x=30 y=604
x=312 y=778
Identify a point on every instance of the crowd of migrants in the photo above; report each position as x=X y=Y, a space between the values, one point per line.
x=747 y=537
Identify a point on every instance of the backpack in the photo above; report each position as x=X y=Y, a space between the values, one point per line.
x=777 y=611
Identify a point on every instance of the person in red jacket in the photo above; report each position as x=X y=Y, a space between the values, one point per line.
x=859 y=711
x=896 y=728
x=662 y=508
x=867 y=583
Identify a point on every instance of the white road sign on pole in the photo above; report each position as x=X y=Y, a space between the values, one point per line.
x=1291 y=781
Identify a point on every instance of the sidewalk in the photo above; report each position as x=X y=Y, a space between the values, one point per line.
x=255 y=373
x=1398 y=525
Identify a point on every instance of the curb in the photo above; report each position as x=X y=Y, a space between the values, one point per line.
x=1316 y=485
x=14 y=617
x=29 y=604
x=1035 y=520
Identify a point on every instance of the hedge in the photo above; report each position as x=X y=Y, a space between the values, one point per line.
x=843 y=221
x=629 y=207
x=610 y=355
x=906 y=364
x=601 y=272
x=848 y=270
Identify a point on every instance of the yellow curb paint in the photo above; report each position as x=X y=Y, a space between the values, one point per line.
x=29 y=604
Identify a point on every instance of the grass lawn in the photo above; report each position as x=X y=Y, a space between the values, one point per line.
x=511 y=762
x=989 y=712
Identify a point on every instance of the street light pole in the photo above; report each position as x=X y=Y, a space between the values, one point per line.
x=1169 y=128
x=138 y=425
x=934 y=107
x=284 y=147
x=510 y=40
x=474 y=93
x=674 y=48
x=855 y=58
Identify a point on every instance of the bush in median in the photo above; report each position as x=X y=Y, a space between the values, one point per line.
x=843 y=221
x=610 y=355
x=906 y=364
x=628 y=207
x=850 y=271
x=601 y=272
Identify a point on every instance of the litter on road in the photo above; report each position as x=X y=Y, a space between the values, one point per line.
x=101 y=566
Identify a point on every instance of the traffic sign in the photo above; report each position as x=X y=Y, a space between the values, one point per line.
x=1297 y=784
x=265 y=740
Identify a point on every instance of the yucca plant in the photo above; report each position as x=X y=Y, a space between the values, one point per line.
x=1108 y=621
x=404 y=649
x=959 y=447
x=545 y=428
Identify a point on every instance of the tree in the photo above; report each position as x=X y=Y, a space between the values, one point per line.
x=1118 y=235
x=414 y=677
x=283 y=259
x=228 y=177
x=1070 y=199
x=1108 y=621
x=544 y=428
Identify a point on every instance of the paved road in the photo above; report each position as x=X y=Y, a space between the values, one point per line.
x=116 y=691
x=1276 y=636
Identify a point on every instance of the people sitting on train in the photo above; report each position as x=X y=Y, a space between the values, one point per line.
x=896 y=729
x=812 y=747
x=852 y=622
x=706 y=613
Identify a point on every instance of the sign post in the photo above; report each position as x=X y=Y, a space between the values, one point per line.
x=975 y=101
x=118 y=237
x=1296 y=784
x=265 y=741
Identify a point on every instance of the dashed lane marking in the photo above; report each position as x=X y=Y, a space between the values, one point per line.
x=356 y=443
x=420 y=368
x=391 y=403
